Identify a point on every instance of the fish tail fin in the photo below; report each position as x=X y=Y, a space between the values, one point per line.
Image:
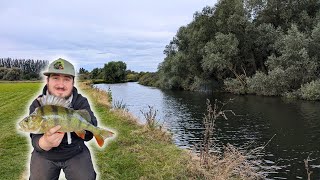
x=102 y=135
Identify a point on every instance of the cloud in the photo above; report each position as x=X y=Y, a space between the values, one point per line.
x=92 y=33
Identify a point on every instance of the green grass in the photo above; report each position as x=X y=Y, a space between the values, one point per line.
x=14 y=99
x=134 y=154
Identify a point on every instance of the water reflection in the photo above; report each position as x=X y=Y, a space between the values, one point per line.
x=295 y=123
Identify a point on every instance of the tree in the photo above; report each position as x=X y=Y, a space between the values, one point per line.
x=294 y=59
x=115 y=72
x=264 y=37
x=96 y=73
x=13 y=74
x=83 y=71
x=29 y=69
x=221 y=54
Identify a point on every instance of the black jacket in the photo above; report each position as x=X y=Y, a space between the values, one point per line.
x=64 y=151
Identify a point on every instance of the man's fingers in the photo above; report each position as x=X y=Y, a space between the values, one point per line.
x=53 y=130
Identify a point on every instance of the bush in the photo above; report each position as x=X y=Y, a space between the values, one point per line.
x=149 y=79
x=132 y=77
x=275 y=84
x=234 y=86
x=310 y=91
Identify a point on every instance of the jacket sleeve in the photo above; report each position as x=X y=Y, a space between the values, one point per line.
x=84 y=104
x=35 y=137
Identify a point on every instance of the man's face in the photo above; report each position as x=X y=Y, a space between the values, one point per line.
x=60 y=85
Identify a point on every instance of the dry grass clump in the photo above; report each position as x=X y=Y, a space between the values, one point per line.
x=306 y=164
x=150 y=117
x=232 y=164
x=125 y=115
x=99 y=95
x=151 y=129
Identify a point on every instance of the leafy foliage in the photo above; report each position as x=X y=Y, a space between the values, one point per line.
x=265 y=47
x=96 y=73
x=21 y=69
x=149 y=79
x=275 y=83
x=115 y=72
x=310 y=91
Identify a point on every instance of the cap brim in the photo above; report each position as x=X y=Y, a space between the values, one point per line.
x=48 y=73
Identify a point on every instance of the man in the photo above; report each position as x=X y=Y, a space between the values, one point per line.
x=55 y=150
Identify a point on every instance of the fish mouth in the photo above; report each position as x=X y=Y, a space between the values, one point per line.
x=22 y=126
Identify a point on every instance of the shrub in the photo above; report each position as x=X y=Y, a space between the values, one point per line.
x=274 y=84
x=149 y=79
x=234 y=86
x=310 y=91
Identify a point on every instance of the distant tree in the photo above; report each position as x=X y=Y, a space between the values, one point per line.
x=149 y=79
x=83 y=74
x=132 y=76
x=29 y=69
x=83 y=71
x=115 y=72
x=13 y=74
x=3 y=72
x=96 y=73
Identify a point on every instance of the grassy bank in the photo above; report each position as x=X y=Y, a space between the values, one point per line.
x=136 y=153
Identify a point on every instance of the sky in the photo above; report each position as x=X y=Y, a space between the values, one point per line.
x=93 y=33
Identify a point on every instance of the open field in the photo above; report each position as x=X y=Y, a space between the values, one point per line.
x=14 y=98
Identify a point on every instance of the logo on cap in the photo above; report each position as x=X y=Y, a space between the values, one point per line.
x=58 y=65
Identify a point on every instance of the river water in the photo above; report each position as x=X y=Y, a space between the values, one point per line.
x=294 y=125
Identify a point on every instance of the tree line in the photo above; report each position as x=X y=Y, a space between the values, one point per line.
x=112 y=72
x=21 y=69
x=29 y=69
x=264 y=47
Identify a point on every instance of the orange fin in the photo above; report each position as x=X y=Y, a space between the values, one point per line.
x=81 y=133
x=99 y=140
x=103 y=134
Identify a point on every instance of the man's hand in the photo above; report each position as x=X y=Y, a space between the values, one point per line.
x=51 y=139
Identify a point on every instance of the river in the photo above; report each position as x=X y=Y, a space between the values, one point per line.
x=294 y=124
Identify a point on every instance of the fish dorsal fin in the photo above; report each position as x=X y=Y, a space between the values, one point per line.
x=85 y=114
x=53 y=100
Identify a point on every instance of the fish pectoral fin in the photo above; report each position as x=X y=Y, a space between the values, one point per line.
x=81 y=133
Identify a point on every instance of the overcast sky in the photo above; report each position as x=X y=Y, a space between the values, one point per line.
x=92 y=33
